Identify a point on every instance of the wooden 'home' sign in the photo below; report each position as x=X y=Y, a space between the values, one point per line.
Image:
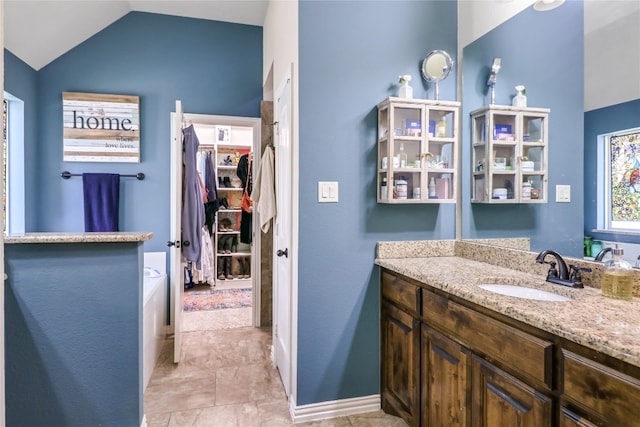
x=100 y=127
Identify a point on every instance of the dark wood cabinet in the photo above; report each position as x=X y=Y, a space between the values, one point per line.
x=499 y=399
x=599 y=393
x=445 y=381
x=400 y=364
x=447 y=362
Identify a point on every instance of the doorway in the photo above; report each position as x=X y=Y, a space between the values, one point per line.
x=225 y=278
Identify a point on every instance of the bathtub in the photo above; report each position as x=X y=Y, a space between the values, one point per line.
x=154 y=312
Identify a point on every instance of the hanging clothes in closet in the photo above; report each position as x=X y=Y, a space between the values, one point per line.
x=211 y=202
x=264 y=190
x=207 y=180
x=244 y=172
x=192 y=206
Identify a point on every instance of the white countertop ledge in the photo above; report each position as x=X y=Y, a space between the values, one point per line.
x=57 y=237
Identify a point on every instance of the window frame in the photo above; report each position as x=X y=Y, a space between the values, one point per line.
x=604 y=181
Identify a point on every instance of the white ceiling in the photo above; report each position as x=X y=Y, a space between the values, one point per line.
x=39 y=31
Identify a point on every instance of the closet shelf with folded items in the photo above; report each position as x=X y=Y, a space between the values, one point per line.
x=225 y=255
x=233 y=257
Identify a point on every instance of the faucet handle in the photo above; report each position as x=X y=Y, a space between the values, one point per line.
x=575 y=276
x=552 y=269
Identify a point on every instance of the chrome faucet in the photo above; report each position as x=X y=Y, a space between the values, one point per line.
x=602 y=253
x=570 y=276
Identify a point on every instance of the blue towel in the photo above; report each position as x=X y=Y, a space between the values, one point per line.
x=101 y=193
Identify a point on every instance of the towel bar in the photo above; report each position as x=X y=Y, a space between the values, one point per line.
x=67 y=175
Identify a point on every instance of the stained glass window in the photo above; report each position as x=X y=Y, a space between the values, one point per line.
x=624 y=180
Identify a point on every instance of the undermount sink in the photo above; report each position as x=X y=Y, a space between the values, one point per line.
x=523 y=292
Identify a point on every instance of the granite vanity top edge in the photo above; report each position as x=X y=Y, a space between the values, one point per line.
x=97 y=237
x=590 y=319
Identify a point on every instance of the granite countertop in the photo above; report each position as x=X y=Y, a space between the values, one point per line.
x=607 y=325
x=55 y=237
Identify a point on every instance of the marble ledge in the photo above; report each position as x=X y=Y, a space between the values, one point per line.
x=97 y=237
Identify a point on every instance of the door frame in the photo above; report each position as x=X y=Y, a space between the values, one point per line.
x=255 y=123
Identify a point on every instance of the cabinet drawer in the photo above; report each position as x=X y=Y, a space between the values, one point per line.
x=605 y=391
x=401 y=292
x=516 y=351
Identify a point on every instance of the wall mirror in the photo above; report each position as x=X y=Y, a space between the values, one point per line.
x=435 y=67
x=559 y=75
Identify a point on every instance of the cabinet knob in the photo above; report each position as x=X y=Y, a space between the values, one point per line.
x=283 y=252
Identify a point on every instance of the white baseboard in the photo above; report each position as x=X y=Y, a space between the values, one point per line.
x=336 y=408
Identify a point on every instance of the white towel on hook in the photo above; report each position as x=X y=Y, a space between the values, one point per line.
x=264 y=191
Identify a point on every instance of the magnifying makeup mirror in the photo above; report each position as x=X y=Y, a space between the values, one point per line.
x=435 y=67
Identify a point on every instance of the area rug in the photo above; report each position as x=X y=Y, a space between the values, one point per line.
x=216 y=299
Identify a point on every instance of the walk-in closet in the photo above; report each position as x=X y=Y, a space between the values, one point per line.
x=219 y=290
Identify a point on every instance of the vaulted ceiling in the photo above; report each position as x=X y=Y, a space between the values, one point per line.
x=39 y=31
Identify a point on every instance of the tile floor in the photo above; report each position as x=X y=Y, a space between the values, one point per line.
x=226 y=379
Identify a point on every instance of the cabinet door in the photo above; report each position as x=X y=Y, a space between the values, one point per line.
x=600 y=391
x=445 y=381
x=532 y=162
x=570 y=419
x=502 y=400
x=400 y=360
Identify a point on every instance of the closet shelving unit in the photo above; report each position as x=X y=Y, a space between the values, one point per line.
x=230 y=262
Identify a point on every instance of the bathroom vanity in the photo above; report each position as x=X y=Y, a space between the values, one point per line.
x=73 y=319
x=457 y=355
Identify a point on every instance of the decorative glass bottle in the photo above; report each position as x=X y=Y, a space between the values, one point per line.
x=520 y=100
x=405 y=91
x=617 y=277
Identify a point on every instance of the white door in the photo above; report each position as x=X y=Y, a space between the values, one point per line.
x=175 y=257
x=282 y=306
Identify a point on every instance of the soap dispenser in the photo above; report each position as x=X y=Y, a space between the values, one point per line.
x=617 y=277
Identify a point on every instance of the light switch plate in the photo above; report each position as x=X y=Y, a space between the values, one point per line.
x=563 y=193
x=328 y=191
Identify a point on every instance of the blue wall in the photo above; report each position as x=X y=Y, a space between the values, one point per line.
x=74 y=328
x=351 y=54
x=598 y=122
x=213 y=67
x=545 y=53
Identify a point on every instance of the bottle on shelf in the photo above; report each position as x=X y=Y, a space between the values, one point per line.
x=441 y=128
x=402 y=156
x=432 y=188
x=617 y=277
x=526 y=190
x=520 y=100
x=383 y=189
x=401 y=188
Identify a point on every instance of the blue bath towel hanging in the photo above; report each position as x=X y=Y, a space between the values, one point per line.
x=101 y=192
